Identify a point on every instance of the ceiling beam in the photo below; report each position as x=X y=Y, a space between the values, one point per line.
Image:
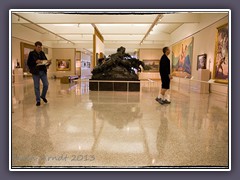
x=115 y=34
x=97 y=32
x=160 y=16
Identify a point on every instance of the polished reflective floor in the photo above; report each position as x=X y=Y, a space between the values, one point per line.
x=79 y=128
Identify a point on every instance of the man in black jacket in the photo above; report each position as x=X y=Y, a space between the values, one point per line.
x=164 y=69
x=38 y=63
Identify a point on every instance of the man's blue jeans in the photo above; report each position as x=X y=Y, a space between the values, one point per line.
x=36 y=79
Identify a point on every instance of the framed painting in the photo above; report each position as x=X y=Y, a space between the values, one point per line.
x=151 y=65
x=63 y=64
x=182 y=53
x=201 y=61
x=25 y=50
x=220 y=70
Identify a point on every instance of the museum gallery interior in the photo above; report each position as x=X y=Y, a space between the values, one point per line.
x=103 y=81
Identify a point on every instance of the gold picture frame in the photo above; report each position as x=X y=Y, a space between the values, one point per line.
x=25 y=50
x=63 y=64
x=220 y=69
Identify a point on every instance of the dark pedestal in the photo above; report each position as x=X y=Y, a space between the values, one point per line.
x=114 y=86
x=120 y=86
x=105 y=86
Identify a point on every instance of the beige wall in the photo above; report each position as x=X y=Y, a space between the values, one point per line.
x=204 y=42
x=62 y=54
x=16 y=52
x=150 y=54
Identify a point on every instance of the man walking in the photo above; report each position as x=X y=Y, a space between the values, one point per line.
x=38 y=63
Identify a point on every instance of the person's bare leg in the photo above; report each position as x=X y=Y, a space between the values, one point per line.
x=164 y=96
x=162 y=93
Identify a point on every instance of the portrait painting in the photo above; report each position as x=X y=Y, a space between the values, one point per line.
x=201 y=61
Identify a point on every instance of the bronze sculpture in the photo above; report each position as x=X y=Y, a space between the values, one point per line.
x=117 y=66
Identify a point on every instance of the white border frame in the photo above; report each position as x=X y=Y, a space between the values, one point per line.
x=123 y=11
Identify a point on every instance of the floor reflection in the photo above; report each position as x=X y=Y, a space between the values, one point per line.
x=41 y=144
x=116 y=111
x=162 y=133
x=110 y=128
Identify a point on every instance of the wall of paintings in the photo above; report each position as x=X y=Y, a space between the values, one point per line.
x=206 y=49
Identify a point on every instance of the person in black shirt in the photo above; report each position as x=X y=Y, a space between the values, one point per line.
x=38 y=64
x=164 y=69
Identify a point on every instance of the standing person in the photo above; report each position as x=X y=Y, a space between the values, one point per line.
x=164 y=69
x=38 y=63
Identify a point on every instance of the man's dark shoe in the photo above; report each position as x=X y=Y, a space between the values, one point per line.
x=38 y=104
x=159 y=100
x=44 y=99
x=166 y=101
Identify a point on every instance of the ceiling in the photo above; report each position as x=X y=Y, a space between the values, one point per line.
x=131 y=30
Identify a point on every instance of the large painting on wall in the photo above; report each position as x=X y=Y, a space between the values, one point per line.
x=182 y=54
x=25 y=49
x=151 y=65
x=220 y=71
x=63 y=64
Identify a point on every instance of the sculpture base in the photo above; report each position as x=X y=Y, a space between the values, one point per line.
x=101 y=85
